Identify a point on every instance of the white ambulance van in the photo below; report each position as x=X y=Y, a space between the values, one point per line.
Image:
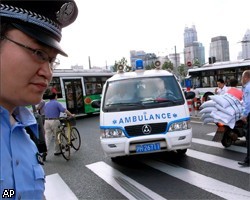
x=144 y=111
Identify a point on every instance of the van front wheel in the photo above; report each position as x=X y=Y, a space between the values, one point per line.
x=181 y=151
x=117 y=159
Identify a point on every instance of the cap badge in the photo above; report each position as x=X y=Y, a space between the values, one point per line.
x=65 y=13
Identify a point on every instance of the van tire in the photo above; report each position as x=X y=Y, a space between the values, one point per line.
x=226 y=140
x=116 y=159
x=181 y=151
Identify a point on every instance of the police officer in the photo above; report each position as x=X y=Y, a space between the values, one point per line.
x=245 y=80
x=29 y=40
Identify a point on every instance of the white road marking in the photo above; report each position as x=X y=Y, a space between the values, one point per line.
x=232 y=164
x=214 y=186
x=240 y=138
x=211 y=134
x=57 y=189
x=116 y=179
x=219 y=145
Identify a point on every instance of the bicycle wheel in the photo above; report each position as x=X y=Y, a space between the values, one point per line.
x=63 y=144
x=75 y=138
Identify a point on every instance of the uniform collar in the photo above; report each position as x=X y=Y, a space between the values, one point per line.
x=24 y=115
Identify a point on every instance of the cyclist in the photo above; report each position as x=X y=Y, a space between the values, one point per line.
x=52 y=112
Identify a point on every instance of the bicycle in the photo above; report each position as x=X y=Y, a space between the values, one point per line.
x=68 y=136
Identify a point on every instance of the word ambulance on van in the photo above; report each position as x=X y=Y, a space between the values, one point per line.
x=144 y=111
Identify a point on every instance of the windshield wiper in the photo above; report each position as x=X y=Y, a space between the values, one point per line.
x=164 y=100
x=157 y=100
x=124 y=104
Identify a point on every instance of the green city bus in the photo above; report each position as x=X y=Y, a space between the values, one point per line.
x=76 y=89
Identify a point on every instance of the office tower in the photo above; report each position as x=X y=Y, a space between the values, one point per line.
x=175 y=59
x=194 y=51
x=190 y=35
x=219 y=48
x=246 y=45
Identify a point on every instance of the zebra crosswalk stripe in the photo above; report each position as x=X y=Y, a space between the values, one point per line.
x=56 y=188
x=214 y=186
x=219 y=145
x=217 y=160
x=122 y=183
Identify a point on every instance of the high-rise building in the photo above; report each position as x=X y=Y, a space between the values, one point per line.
x=194 y=51
x=246 y=45
x=190 y=35
x=175 y=59
x=147 y=58
x=219 y=48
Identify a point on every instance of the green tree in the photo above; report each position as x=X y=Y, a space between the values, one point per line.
x=149 y=61
x=151 y=66
x=182 y=73
x=196 y=63
x=168 y=65
x=123 y=62
x=182 y=70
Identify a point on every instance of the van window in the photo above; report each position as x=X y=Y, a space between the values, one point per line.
x=138 y=93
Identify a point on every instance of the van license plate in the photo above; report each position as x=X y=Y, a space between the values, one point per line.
x=148 y=147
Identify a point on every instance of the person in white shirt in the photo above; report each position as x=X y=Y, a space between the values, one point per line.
x=222 y=88
x=196 y=91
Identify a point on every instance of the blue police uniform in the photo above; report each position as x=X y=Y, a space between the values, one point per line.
x=22 y=177
x=246 y=113
x=246 y=99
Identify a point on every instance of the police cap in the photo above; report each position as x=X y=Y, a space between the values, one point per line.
x=42 y=20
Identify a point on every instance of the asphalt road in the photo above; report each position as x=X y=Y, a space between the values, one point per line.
x=207 y=171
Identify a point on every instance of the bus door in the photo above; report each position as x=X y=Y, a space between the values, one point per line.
x=74 y=95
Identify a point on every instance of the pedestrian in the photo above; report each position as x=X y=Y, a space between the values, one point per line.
x=196 y=91
x=234 y=90
x=196 y=100
x=40 y=107
x=52 y=111
x=245 y=80
x=30 y=33
x=222 y=88
x=53 y=89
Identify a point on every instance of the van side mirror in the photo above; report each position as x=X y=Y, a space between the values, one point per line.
x=96 y=103
x=189 y=95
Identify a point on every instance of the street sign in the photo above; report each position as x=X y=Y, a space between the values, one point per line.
x=189 y=64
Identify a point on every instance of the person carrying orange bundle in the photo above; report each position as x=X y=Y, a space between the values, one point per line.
x=234 y=90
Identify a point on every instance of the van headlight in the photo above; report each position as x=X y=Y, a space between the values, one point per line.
x=179 y=126
x=112 y=133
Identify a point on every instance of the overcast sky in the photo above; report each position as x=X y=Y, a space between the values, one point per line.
x=106 y=30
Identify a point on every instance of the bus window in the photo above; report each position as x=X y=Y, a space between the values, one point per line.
x=94 y=84
x=54 y=87
x=205 y=82
x=212 y=82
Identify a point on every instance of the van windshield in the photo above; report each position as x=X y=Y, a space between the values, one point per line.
x=138 y=93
